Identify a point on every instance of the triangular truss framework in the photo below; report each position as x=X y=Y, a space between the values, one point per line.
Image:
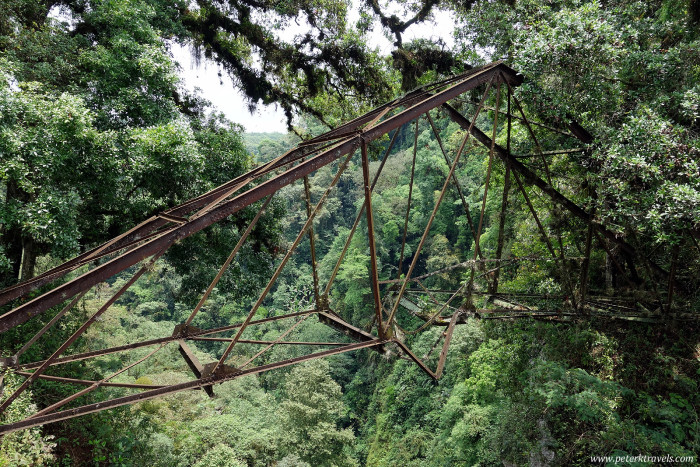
x=149 y=240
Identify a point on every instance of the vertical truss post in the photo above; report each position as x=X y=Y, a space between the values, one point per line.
x=501 y=228
x=408 y=205
x=312 y=241
x=370 y=234
x=358 y=217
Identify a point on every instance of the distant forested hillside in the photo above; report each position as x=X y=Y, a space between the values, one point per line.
x=266 y=146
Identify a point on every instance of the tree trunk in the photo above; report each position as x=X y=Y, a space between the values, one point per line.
x=12 y=237
x=26 y=270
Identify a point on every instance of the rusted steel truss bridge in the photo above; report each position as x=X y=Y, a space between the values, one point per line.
x=525 y=175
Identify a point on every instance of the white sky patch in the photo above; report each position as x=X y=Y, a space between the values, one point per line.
x=215 y=85
x=13 y=84
x=441 y=27
x=63 y=15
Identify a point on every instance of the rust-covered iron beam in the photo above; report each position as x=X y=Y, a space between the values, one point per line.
x=136 y=345
x=260 y=342
x=374 y=275
x=415 y=359
x=446 y=345
x=193 y=362
x=85 y=382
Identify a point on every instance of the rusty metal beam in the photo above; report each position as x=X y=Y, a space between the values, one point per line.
x=193 y=362
x=144 y=230
x=260 y=342
x=374 y=274
x=148 y=343
x=413 y=357
x=85 y=382
x=312 y=240
x=446 y=345
x=346 y=328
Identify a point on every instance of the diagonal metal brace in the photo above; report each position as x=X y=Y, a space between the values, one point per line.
x=193 y=362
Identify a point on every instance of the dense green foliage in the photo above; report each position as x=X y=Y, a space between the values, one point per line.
x=96 y=134
x=629 y=72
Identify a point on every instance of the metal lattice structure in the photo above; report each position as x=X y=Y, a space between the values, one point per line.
x=392 y=297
